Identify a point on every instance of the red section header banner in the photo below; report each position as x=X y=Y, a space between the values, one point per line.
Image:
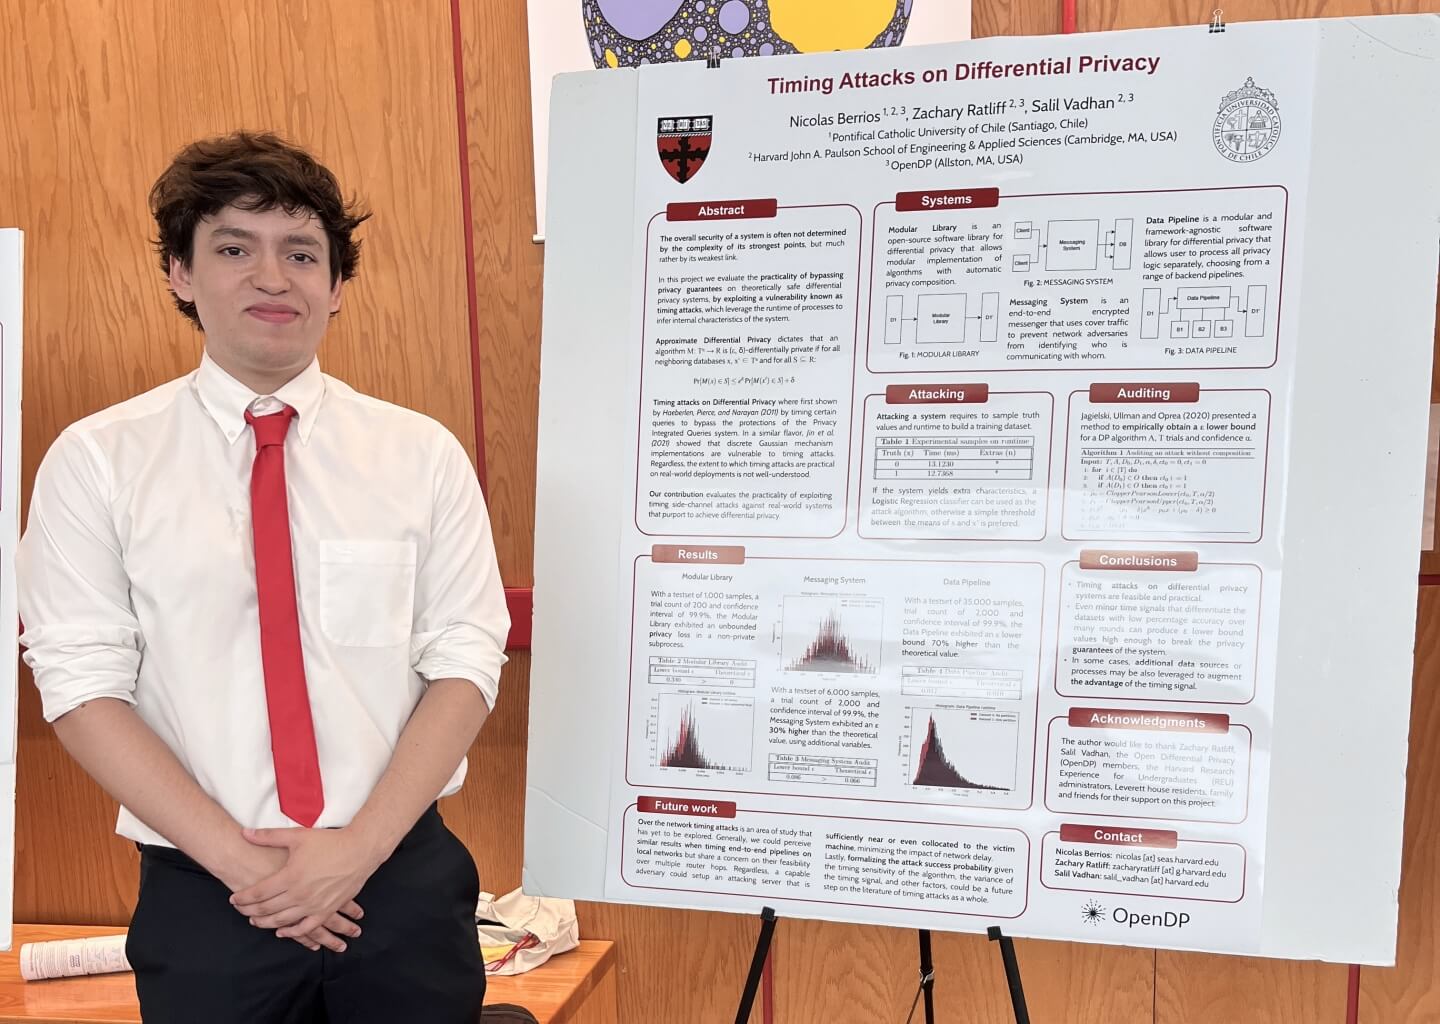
x=931 y=394
x=724 y=209
x=1140 y=561
x=693 y=808
x=1152 y=721
x=1118 y=835
x=1156 y=393
x=947 y=199
x=699 y=554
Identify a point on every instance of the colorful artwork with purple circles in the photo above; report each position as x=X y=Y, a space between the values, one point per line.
x=628 y=33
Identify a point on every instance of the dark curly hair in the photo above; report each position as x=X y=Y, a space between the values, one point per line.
x=252 y=171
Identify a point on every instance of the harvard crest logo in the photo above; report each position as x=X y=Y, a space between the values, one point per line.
x=1248 y=125
x=684 y=143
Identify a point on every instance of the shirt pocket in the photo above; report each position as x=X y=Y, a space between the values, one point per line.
x=367 y=591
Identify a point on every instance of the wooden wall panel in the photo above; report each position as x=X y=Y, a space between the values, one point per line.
x=1083 y=984
x=1193 y=988
x=1101 y=15
x=70 y=867
x=827 y=972
x=678 y=965
x=94 y=99
x=508 y=267
x=1014 y=18
x=1410 y=991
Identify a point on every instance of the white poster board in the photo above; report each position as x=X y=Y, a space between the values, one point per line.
x=12 y=252
x=957 y=486
x=572 y=35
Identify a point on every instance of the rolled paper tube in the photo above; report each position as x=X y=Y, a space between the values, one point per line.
x=67 y=958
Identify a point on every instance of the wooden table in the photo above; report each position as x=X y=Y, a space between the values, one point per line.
x=574 y=988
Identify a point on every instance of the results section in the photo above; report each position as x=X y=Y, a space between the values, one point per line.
x=909 y=681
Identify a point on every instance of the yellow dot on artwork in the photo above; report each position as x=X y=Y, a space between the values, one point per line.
x=611 y=60
x=682 y=48
x=820 y=25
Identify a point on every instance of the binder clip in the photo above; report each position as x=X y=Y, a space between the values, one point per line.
x=713 y=61
x=1217 y=21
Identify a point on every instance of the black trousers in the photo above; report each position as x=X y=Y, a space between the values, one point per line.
x=198 y=961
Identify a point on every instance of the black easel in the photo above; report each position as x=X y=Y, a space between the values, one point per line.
x=927 y=981
x=1012 y=973
x=927 y=972
x=757 y=965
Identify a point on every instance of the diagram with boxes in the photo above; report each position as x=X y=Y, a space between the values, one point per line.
x=1135 y=279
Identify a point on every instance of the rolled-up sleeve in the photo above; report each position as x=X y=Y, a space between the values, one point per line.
x=81 y=637
x=461 y=621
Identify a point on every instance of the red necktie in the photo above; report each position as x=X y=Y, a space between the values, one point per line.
x=292 y=734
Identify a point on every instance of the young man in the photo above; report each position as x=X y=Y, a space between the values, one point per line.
x=263 y=611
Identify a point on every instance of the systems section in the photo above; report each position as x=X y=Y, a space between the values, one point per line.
x=984 y=280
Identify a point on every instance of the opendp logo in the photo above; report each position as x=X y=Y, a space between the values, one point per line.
x=1096 y=914
x=1164 y=919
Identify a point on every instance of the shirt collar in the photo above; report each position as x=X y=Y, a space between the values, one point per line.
x=226 y=399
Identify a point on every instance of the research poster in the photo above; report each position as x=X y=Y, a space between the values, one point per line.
x=958 y=401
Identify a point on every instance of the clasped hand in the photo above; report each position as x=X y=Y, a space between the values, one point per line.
x=311 y=898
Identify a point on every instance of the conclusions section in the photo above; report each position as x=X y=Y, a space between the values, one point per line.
x=750 y=318
x=1158 y=625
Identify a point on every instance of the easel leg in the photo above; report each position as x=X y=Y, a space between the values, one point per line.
x=1012 y=973
x=757 y=965
x=927 y=976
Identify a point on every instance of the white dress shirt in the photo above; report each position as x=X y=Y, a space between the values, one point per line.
x=137 y=579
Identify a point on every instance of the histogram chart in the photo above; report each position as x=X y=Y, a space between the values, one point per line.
x=963 y=749
x=832 y=634
x=705 y=733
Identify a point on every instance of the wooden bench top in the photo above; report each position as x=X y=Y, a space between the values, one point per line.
x=555 y=992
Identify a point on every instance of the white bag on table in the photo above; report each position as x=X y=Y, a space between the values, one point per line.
x=518 y=932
